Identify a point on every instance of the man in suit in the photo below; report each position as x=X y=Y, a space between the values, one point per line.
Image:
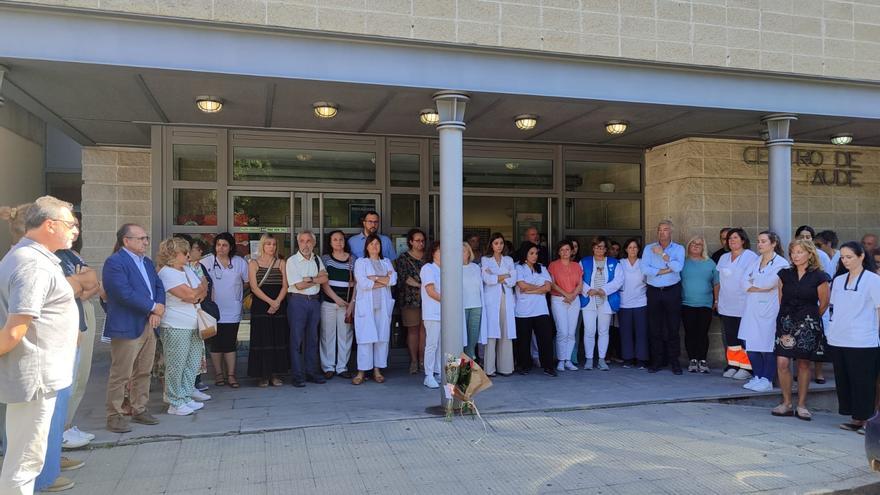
x=135 y=305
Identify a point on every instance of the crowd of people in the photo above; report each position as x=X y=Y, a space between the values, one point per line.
x=784 y=310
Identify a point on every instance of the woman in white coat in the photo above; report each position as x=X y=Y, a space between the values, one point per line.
x=758 y=325
x=374 y=276
x=732 y=300
x=499 y=279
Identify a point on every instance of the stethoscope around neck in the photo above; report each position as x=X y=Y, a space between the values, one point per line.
x=218 y=274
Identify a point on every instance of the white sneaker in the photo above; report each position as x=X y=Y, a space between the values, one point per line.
x=180 y=411
x=729 y=373
x=430 y=382
x=751 y=383
x=603 y=365
x=589 y=364
x=200 y=396
x=88 y=436
x=763 y=385
x=560 y=366
x=570 y=366
x=195 y=406
x=742 y=374
x=71 y=440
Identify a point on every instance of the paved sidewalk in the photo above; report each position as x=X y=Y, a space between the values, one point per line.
x=402 y=396
x=681 y=448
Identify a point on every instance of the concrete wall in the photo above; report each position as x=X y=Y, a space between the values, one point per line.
x=116 y=190
x=818 y=37
x=22 y=151
x=705 y=184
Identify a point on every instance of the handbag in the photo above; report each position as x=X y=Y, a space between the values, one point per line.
x=249 y=297
x=349 y=318
x=208 y=305
x=207 y=324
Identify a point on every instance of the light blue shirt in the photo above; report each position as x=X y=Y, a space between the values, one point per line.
x=139 y=262
x=653 y=263
x=357 y=241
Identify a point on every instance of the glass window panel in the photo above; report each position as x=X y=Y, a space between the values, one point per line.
x=340 y=213
x=405 y=210
x=195 y=207
x=510 y=216
x=502 y=173
x=603 y=214
x=603 y=177
x=247 y=244
x=298 y=165
x=261 y=211
x=194 y=162
x=405 y=170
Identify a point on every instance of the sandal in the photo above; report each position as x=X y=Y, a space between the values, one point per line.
x=378 y=377
x=358 y=379
x=851 y=426
x=820 y=381
x=276 y=382
x=413 y=368
x=263 y=383
x=782 y=410
x=233 y=383
x=803 y=413
x=861 y=431
x=219 y=381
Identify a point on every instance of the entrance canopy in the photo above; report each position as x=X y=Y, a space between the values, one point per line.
x=107 y=87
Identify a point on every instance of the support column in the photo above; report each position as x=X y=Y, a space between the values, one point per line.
x=779 y=190
x=451 y=107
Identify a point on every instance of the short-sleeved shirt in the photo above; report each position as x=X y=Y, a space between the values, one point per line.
x=731 y=293
x=430 y=274
x=566 y=276
x=339 y=276
x=33 y=284
x=178 y=314
x=698 y=279
x=800 y=297
x=530 y=305
x=228 y=286
x=854 y=311
x=472 y=286
x=298 y=268
x=406 y=266
x=70 y=261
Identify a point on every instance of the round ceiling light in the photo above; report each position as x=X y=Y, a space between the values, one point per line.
x=511 y=165
x=616 y=127
x=325 y=109
x=429 y=116
x=209 y=104
x=841 y=139
x=525 y=121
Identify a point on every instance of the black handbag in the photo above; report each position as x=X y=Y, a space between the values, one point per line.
x=208 y=305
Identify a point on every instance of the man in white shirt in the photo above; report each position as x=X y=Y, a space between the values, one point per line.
x=305 y=274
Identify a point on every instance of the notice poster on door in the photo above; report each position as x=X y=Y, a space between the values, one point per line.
x=356 y=211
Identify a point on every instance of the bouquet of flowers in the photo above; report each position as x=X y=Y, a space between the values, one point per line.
x=464 y=380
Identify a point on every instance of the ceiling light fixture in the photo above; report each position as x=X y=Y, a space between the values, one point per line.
x=615 y=127
x=429 y=116
x=841 y=139
x=209 y=104
x=511 y=165
x=526 y=121
x=303 y=157
x=325 y=109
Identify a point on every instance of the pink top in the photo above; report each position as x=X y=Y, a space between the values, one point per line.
x=567 y=277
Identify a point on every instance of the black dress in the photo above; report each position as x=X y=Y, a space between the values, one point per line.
x=270 y=336
x=799 y=331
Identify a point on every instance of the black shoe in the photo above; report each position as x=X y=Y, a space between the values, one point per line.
x=676 y=370
x=523 y=371
x=550 y=371
x=653 y=369
x=298 y=383
x=316 y=379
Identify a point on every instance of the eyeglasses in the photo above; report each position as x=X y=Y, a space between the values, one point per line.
x=145 y=238
x=69 y=224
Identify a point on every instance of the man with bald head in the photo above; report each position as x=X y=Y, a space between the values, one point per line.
x=869 y=241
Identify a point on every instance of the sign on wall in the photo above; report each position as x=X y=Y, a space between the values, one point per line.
x=815 y=167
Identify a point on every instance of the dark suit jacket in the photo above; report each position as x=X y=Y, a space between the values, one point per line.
x=128 y=298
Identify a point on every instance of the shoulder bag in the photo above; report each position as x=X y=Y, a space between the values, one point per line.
x=207 y=324
x=249 y=298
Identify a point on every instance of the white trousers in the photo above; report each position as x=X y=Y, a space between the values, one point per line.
x=593 y=322
x=566 y=318
x=336 y=338
x=27 y=435
x=432 y=347
x=374 y=355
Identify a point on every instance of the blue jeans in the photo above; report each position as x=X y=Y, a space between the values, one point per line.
x=52 y=464
x=303 y=316
x=472 y=318
x=634 y=333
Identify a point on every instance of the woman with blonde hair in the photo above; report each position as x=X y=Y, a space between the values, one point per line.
x=699 y=294
x=472 y=289
x=179 y=327
x=269 y=354
x=805 y=295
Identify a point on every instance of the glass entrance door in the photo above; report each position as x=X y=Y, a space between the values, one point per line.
x=334 y=211
x=253 y=213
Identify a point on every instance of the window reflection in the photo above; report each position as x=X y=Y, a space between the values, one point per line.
x=300 y=165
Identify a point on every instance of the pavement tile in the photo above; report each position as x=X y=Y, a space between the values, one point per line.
x=143 y=486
